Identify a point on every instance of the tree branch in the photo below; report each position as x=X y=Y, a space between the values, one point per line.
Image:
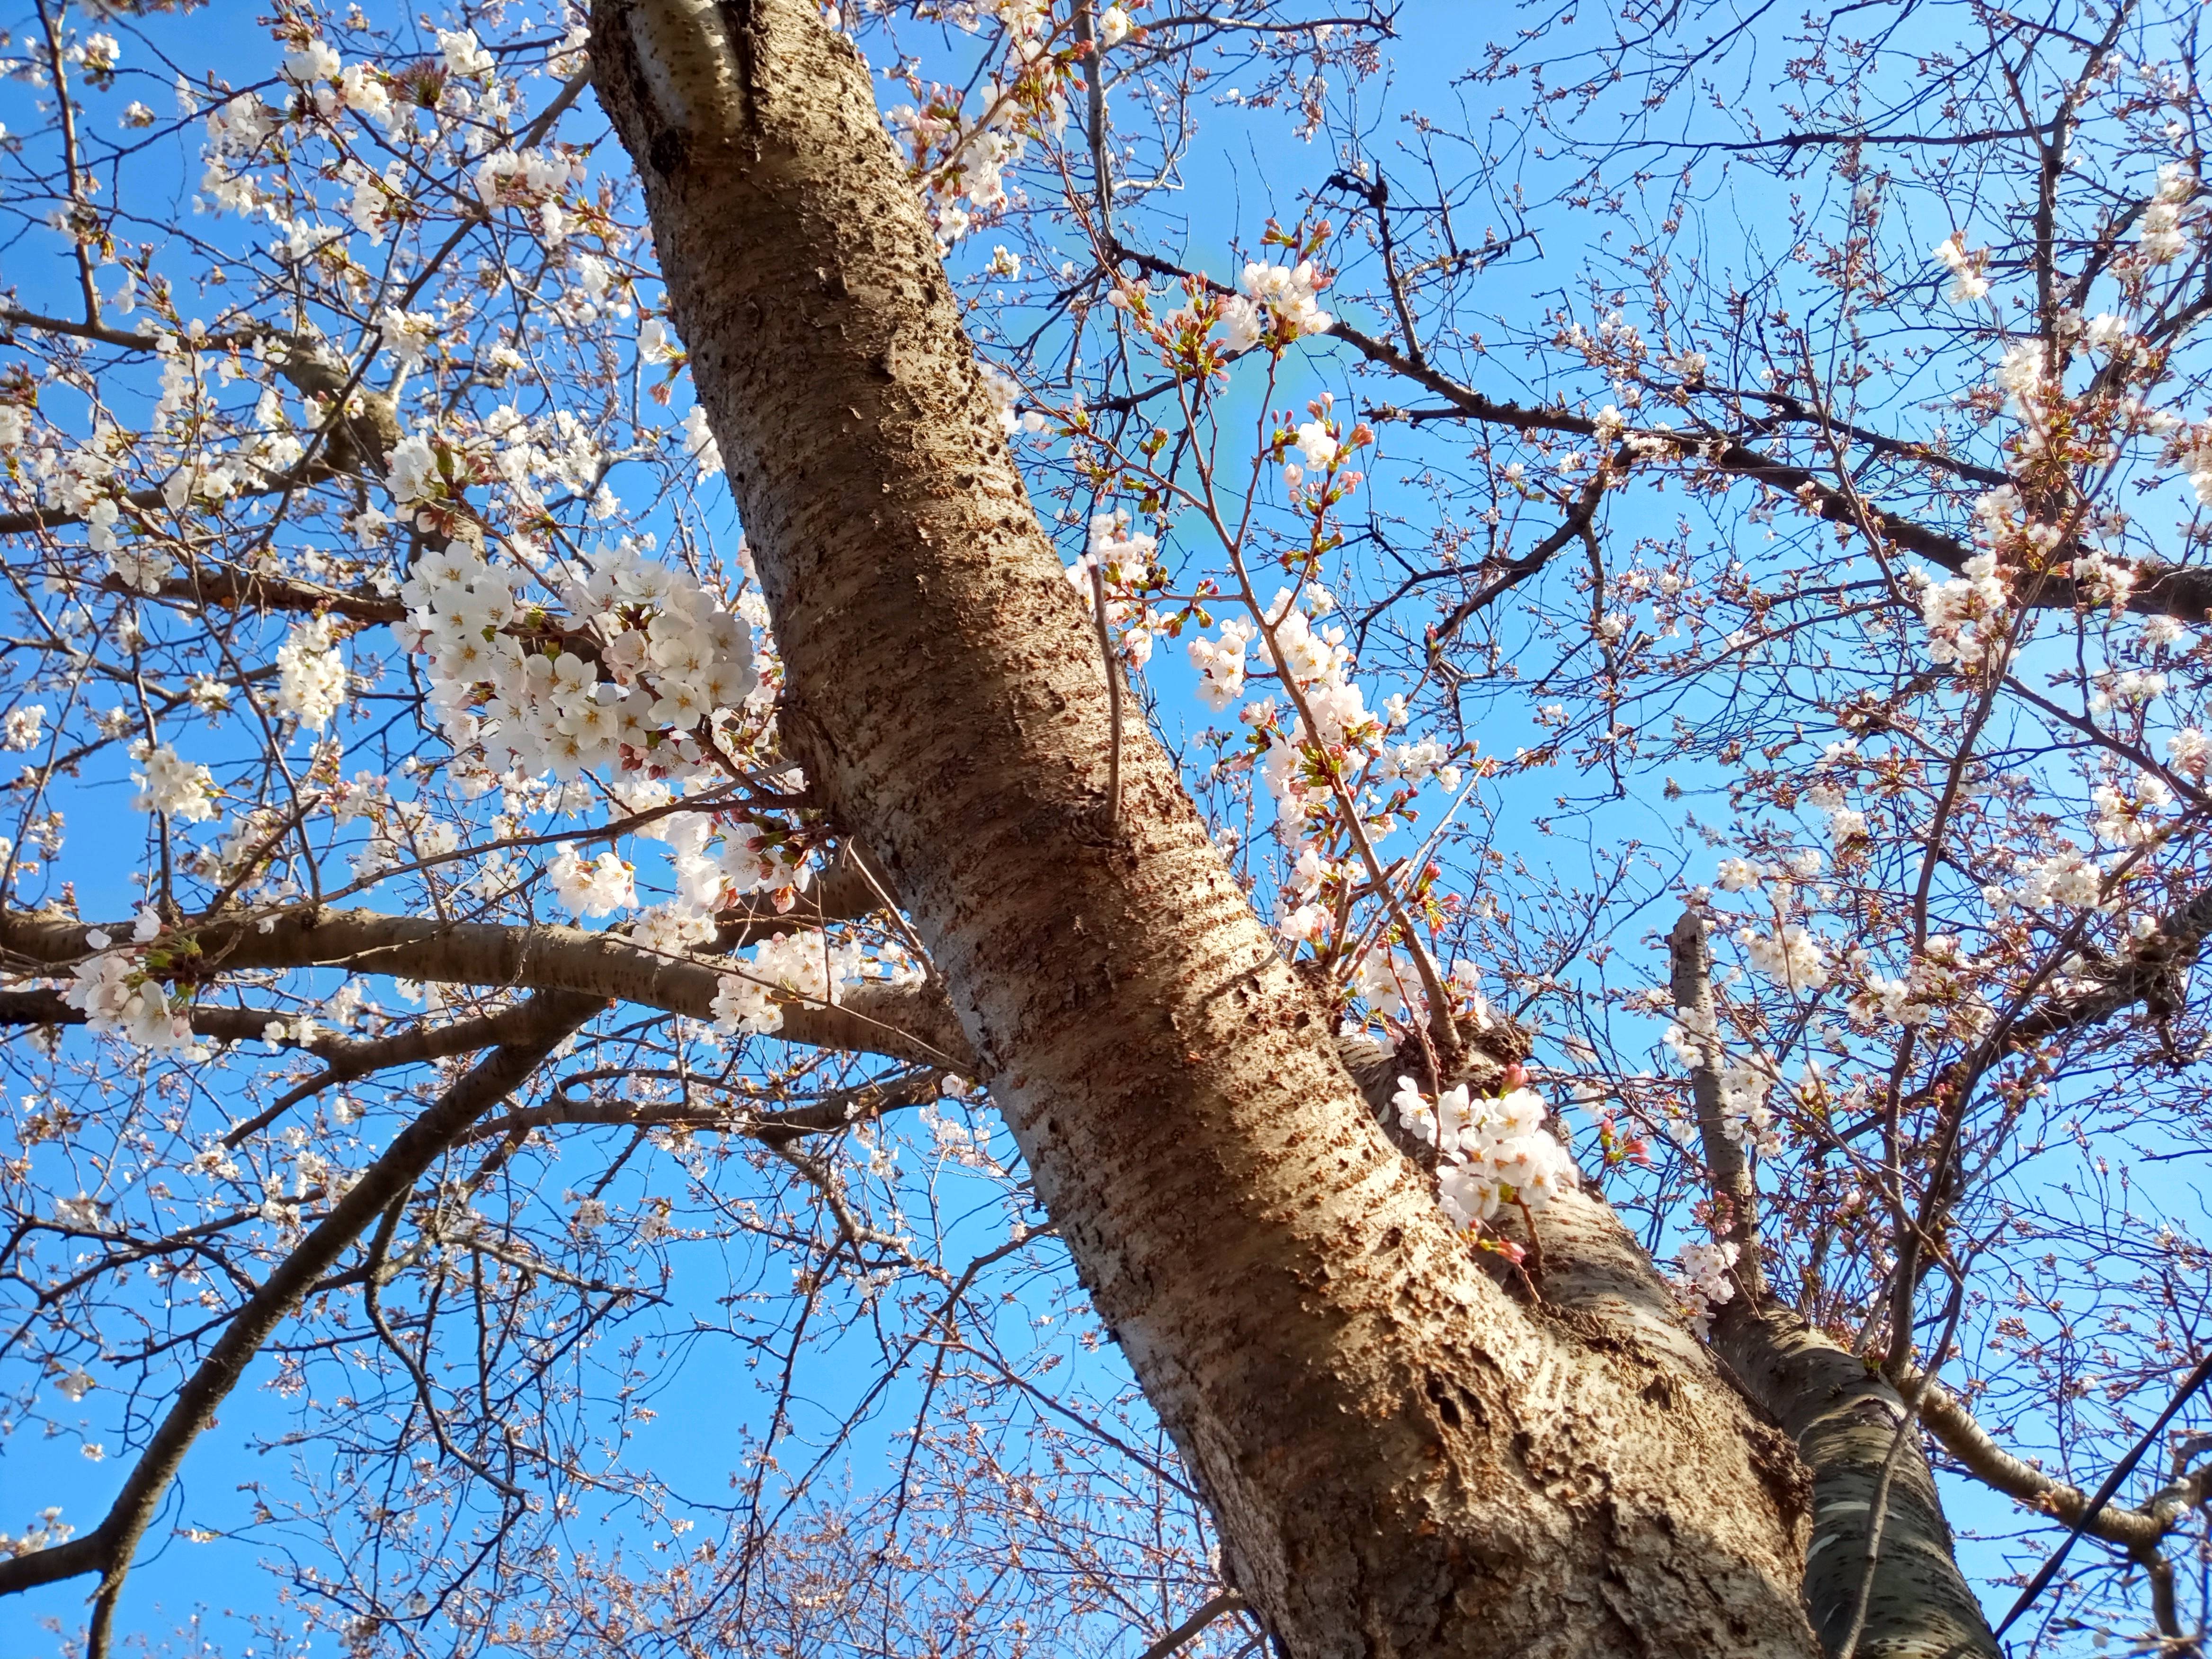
x=2151 y=973
x=108 y=1547
x=913 y=1023
x=2181 y=591
x=1961 y=1434
x=827 y=1116
x=1735 y=1194
x=1844 y=1418
x=2197 y=1378
x=1216 y=1607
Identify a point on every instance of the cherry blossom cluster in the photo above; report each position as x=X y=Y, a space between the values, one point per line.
x=1791 y=956
x=311 y=673
x=959 y=1143
x=1846 y=823
x=49 y=1528
x=1746 y=1117
x=118 y=996
x=20 y=729
x=1940 y=981
x=1278 y=298
x=433 y=468
x=1490 y=1151
x=83 y=477
x=1967 y=616
x=1968 y=283
x=600 y=887
x=1125 y=560
x=1221 y=663
x=666 y=664
x=798 y=966
x=1302 y=916
x=2162 y=234
x=1318 y=662
x=1274 y=305
x=1381 y=984
x=1703 y=1283
x=962 y=167
x=2133 y=815
x=2068 y=876
x=170 y=785
x=1303 y=770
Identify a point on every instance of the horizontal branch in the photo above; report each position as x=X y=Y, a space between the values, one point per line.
x=13 y=317
x=832 y=1112
x=353 y=1058
x=2181 y=591
x=237 y=590
x=908 y=1022
x=31 y=520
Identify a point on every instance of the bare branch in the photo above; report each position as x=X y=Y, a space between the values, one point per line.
x=108 y=1548
x=2181 y=591
x=1963 y=1435
x=2197 y=1378
x=1215 y=1607
x=910 y=1023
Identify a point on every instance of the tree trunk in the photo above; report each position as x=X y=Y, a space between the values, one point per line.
x=1849 y=1425
x=1403 y=1457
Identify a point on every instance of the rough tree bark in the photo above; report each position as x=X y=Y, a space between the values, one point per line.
x=1404 y=1455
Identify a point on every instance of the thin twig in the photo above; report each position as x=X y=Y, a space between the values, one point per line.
x=2121 y=1471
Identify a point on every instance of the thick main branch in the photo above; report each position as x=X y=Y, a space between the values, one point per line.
x=1401 y=1459
x=904 y=1022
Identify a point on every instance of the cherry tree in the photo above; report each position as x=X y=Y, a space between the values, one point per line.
x=703 y=689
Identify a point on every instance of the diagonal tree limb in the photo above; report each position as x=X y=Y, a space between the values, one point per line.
x=1216 y=1607
x=1333 y=1364
x=2151 y=973
x=108 y=1548
x=1576 y=523
x=2141 y=1528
